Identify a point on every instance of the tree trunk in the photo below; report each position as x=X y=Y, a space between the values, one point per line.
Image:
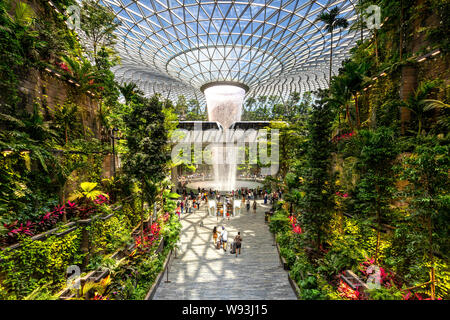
x=331 y=57
x=85 y=246
x=348 y=116
x=401 y=30
x=378 y=224
x=362 y=28
x=318 y=238
x=420 y=126
x=142 y=216
x=63 y=201
x=432 y=275
x=358 y=121
x=376 y=48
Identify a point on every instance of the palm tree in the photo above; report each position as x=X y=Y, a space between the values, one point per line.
x=332 y=22
x=66 y=118
x=419 y=104
x=355 y=74
x=340 y=96
x=87 y=191
x=128 y=90
x=83 y=72
x=23 y=14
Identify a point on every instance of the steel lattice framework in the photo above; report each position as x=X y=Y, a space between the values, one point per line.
x=174 y=47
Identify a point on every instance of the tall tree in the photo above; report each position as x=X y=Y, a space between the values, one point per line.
x=146 y=141
x=426 y=170
x=181 y=107
x=332 y=21
x=317 y=201
x=98 y=24
x=375 y=154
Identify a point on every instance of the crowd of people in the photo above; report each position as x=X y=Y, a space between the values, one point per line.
x=191 y=201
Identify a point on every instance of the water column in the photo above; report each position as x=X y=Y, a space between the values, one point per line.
x=224 y=103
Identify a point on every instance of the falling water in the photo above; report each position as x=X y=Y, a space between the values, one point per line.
x=224 y=103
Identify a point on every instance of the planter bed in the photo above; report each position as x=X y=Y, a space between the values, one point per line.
x=98 y=275
x=73 y=225
x=354 y=282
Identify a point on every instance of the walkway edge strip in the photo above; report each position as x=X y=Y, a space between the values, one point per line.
x=293 y=284
x=152 y=291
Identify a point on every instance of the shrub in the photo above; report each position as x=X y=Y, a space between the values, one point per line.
x=279 y=222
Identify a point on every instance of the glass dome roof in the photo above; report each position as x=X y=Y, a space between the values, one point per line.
x=274 y=47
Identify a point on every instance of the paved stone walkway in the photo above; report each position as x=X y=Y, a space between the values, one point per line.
x=201 y=272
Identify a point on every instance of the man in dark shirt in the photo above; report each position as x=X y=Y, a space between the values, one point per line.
x=237 y=243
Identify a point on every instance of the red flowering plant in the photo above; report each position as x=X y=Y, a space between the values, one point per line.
x=369 y=270
x=346 y=292
x=151 y=235
x=71 y=209
x=63 y=66
x=101 y=199
x=344 y=136
x=295 y=227
x=49 y=219
x=15 y=230
x=342 y=195
x=415 y=296
x=297 y=230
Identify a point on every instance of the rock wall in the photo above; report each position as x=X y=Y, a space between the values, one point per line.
x=50 y=91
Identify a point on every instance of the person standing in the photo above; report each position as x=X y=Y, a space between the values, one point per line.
x=238 y=243
x=254 y=206
x=182 y=207
x=248 y=204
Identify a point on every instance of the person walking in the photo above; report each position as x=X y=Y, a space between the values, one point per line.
x=178 y=212
x=182 y=207
x=215 y=235
x=254 y=206
x=237 y=243
x=224 y=238
x=248 y=204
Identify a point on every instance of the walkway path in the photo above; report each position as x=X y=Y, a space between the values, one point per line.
x=202 y=272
